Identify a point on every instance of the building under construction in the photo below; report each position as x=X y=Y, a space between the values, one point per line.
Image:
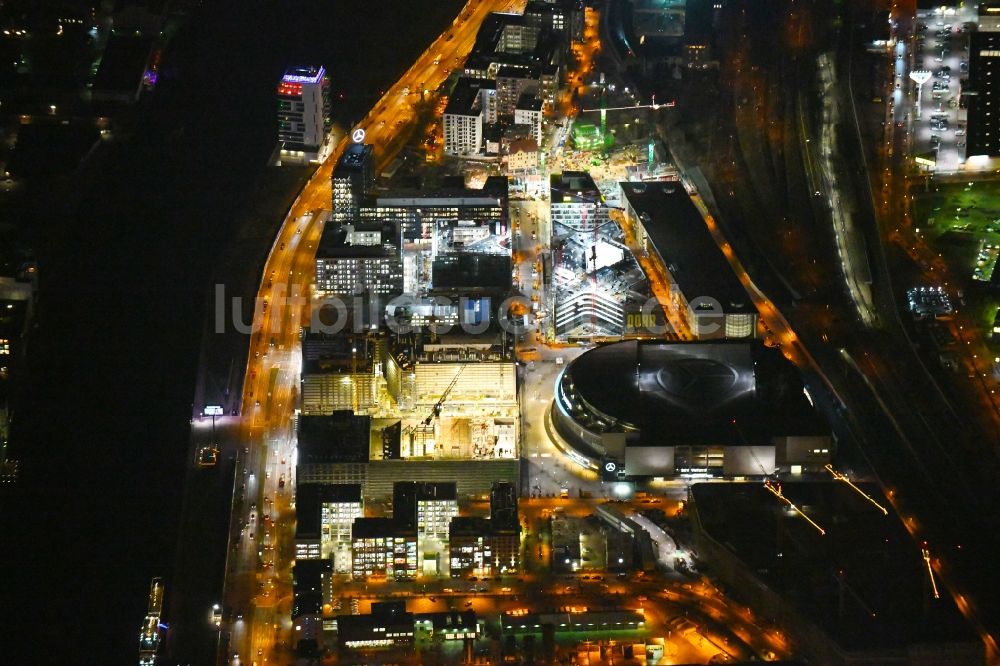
x=441 y=409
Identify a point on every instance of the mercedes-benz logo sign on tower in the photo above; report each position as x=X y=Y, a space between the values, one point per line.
x=358 y=135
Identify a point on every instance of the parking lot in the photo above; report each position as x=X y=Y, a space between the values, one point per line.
x=942 y=48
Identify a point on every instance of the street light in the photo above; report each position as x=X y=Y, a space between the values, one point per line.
x=213 y=411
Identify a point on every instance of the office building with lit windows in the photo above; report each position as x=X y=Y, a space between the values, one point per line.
x=477 y=548
x=668 y=227
x=337 y=373
x=560 y=16
x=383 y=547
x=526 y=47
x=487 y=546
x=513 y=83
x=360 y=259
x=420 y=212
x=427 y=505
x=303 y=97
x=981 y=90
x=325 y=514
x=352 y=179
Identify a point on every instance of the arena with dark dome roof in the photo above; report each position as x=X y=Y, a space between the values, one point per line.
x=665 y=408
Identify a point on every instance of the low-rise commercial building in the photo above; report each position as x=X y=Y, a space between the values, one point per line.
x=668 y=226
x=522 y=157
x=448 y=625
x=388 y=625
x=587 y=621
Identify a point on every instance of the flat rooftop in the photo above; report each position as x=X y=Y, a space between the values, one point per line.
x=333 y=244
x=338 y=438
x=124 y=63
x=353 y=158
x=469 y=272
x=422 y=491
x=464 y=97
x=307 y=575
x=528 y=102
x=473 y=526
x=512 y=71
x=680 y=236
x=574 y=187
x=493 y=193
x=373 y=528
x=676 y=393
x=885 y=593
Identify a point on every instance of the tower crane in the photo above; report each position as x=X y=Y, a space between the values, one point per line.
x=436 y=410
x=843 y=477
x=604 y=108
x=775 y=489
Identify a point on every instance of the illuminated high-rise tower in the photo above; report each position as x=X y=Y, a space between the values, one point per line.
x=303 y=112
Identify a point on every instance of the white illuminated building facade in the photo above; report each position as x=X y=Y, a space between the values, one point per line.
x=325 y=514
x=381 y=547
x=471 y=107
x=575 y=201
